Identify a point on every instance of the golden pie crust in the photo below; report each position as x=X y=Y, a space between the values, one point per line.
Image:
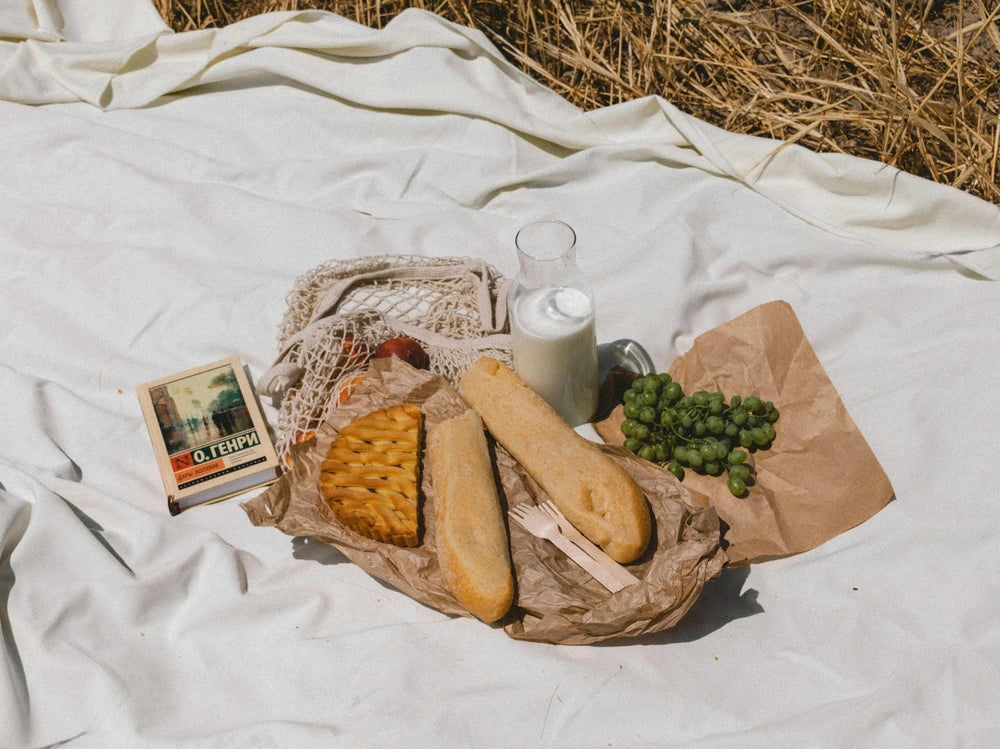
x=371 y=475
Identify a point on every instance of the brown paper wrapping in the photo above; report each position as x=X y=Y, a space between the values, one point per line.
x=820 y=477
x=556 y=601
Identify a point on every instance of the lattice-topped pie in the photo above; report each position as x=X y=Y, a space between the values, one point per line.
x=371 y=475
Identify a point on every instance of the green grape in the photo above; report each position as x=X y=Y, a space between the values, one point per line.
x=701 y=431
x=736 y=457
x=741 y=471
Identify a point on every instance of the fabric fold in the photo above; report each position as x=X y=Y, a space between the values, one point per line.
x=422 y=63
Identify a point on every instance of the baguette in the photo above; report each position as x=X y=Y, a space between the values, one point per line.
x=588 y=486
x=472 y=546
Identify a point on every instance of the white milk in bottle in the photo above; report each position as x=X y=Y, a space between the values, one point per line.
x=552 y=322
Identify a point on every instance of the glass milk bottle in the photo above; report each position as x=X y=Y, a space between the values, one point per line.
x=551 y=307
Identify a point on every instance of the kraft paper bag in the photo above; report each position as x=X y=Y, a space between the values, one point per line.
x=818 y=479
x=556 y=601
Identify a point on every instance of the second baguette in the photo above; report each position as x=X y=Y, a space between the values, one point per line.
x=472 y=546
x=593 y=491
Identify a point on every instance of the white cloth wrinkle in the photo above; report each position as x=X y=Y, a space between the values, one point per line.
x=766 y=166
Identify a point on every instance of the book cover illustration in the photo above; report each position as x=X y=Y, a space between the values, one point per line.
x=210 y=438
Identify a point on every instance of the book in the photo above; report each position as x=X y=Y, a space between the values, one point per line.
x=209 y=435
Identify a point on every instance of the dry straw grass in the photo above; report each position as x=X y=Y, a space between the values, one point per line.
x=912 y=83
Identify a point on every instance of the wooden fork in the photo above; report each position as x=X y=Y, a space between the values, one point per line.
x=569 y=530
x=542 y=525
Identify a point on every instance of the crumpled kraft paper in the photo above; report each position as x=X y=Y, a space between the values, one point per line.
x=820 y=477
x=556 y=601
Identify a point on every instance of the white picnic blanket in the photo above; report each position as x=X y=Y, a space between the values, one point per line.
x=162 y=191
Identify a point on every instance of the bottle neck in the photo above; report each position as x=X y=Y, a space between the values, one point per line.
x=546 y=251
x=558 y=271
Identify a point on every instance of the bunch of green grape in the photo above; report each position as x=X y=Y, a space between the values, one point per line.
x=700 y=431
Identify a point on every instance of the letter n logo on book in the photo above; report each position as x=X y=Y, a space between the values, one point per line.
x=182 y=461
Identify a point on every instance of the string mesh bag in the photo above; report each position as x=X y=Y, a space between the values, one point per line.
x=338 y=313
